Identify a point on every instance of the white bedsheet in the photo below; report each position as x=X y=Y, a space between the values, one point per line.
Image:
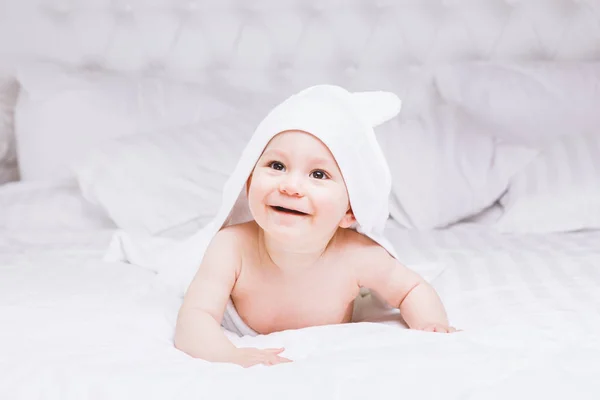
x=73 y=327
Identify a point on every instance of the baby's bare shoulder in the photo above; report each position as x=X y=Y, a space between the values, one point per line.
x=361 y=247
x=239 y=237
x=239 y=232
x=226 y=250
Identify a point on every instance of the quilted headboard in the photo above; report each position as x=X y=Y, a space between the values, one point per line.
x=286 y=41
x=282 y=45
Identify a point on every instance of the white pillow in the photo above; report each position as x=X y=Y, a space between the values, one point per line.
x=559 y=191
x=446 y=167
x=166 y=181
x=48 y=206
x=62 y=114
x=534 y=101
x=9 y=170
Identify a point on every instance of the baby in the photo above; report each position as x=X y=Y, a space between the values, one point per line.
x=297 y=263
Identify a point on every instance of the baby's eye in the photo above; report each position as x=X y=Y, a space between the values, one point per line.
x=319 y=174
x=276 y=165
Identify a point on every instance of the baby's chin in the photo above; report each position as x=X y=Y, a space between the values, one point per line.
x=286 y=227
x=294 y=233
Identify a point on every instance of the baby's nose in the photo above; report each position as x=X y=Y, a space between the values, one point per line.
x=291 y=186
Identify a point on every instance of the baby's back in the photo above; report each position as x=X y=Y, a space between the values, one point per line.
x=270 y=299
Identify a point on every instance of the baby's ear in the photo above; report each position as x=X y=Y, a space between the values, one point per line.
x=377 y=107
x=348 y=220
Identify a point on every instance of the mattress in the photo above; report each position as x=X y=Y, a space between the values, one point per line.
x=74 y=327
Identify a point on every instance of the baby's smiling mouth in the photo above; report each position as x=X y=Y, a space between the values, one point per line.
x=288 y=210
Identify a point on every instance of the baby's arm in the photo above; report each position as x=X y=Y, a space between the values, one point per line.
x=198 y=331
x=419 y=304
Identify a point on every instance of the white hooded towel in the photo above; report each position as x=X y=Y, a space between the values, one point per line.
x=343 y=121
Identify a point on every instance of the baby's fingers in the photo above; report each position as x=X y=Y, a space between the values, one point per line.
x=272 y=357
x=276 y=351
x=276 y=360
x=439 y=329
x=445 y=329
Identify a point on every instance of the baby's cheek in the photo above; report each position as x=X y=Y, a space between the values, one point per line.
x=257 y=186
x=333 y=204
x=255 y=196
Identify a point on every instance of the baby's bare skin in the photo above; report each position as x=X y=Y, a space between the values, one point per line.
x=270 y=299
x=298 y=263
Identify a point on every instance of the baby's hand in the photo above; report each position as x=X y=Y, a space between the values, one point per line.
x=247 y=357
x=437 y=328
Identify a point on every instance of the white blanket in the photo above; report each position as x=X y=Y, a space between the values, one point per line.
x=76 y=328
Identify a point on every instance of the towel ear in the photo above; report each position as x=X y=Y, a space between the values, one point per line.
x=377 y=107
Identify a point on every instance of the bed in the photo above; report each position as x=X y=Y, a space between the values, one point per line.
x=77 y=327
x=497 y=141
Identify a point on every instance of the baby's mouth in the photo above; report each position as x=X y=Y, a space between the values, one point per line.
x=288 y=210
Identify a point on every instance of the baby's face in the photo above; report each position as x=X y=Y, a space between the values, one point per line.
x=296 y=188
